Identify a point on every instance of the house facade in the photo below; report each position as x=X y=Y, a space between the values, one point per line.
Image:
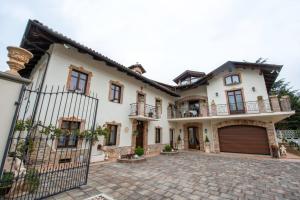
x=230 y=107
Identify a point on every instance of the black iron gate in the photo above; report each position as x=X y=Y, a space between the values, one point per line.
x=49 y=146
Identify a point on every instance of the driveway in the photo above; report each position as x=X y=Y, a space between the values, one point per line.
x=194 y=175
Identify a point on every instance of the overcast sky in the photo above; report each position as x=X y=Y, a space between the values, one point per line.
x=168 y=37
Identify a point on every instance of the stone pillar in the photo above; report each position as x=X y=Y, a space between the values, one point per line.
x=275 y=103
x=11 y=84
x=204 y=109
x=285 y=103
x=213 y=108
x=215 y=137
x=261 y=104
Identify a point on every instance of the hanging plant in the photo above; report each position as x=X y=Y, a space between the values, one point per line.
x=135 y=133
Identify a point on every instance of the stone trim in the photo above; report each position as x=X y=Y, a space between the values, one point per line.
x=158 y=110
x=139 y=109
x=186 y=137
x=191 y=97
x=119 y=125
x=268 y=125
x=82 y=70
x=243 y=98
x=161 y=133
x=109 y=91
x=232 y=74
x=145 y=136
x=14 y=78
x=71 y=119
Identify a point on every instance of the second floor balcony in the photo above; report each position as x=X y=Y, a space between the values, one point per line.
x=271 y=105
x=144 y=112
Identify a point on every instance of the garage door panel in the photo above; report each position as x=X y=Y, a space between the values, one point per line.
x=244 y=139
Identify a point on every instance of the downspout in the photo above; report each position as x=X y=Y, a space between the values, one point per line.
x=43 y=78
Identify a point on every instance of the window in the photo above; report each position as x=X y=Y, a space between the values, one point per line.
x=69 y=138
x=78 y=81
x=157 y=135
x=158 y=107
x=112 y=137
x=115 y=93
x=236 y=103
x=232 y=79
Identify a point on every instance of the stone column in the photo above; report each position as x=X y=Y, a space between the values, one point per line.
x=204 y=109
x=213 y=108
x=261 y=104
x=275 y=103
x=285 y=103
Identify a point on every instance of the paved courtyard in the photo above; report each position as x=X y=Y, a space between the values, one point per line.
x=193 y=175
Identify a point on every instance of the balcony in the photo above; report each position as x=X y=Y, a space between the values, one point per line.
x=143 y=112
x=269 y=106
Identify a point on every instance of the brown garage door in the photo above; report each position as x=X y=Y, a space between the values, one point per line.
x=244 y=139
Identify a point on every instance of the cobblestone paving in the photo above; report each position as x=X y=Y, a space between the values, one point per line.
x=193 y=175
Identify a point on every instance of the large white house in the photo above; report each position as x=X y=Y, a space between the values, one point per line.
x=230 y=106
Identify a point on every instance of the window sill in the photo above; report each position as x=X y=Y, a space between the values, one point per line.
x=115 y=102
x=232 y=84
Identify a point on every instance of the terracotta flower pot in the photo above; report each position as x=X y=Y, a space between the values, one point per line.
x=18 y=57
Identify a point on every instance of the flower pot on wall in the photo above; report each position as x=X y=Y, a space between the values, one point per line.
x=18 y=57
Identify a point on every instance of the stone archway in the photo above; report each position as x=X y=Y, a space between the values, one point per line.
x=200 y=135
x=268 y=125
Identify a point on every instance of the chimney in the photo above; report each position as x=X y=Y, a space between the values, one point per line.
x=137 y=68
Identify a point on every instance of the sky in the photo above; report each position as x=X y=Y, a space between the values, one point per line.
x=168 y=36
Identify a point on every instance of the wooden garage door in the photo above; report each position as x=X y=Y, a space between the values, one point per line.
x=244 y=139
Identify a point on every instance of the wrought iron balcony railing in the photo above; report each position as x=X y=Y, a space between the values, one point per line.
x=249 y=107
x=145 y=110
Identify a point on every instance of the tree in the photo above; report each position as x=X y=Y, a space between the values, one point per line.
x=281 y=88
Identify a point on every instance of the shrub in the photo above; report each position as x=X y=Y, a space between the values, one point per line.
x=206 y=139
x=139 y=151
x=7 y=179
x=6 y=182
x=32 y=180
x=168 y=148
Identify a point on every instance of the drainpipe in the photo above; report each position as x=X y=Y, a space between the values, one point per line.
x=43 y=78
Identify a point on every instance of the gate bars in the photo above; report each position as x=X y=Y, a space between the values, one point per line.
x=50 y=142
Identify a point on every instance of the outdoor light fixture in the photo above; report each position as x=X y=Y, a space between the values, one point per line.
x=253 y=89
x=205 y=130
x=217 y=94
x=67 y=46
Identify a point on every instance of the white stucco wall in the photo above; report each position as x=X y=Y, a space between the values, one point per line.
x=57 y=74
x=249 y=78
x=11 y=89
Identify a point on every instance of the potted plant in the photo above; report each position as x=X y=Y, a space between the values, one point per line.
x=139 y=151
x=167 y=148
x=207 y=145
x=6 y=183
x=178 y=141
x=135 y=133
x=150 y=114
x=32 y=180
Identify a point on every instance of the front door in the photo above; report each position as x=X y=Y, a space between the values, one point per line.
x=236 y=103
x=140 y=104
x=140 y=134
x=172 y=137
x=193 y=138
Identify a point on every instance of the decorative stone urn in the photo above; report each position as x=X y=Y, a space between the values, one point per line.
x=18 y=57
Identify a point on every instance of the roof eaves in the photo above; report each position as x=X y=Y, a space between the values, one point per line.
x=95 y=54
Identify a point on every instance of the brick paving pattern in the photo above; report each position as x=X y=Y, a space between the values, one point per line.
x=193 y=175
